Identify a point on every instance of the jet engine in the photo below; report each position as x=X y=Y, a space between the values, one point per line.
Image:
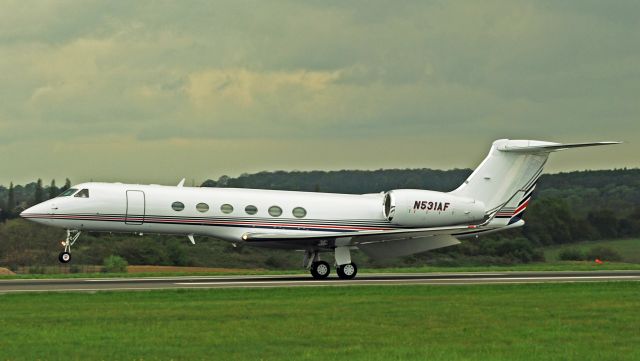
x=422 y=208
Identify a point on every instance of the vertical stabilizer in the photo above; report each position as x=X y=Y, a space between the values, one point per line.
x=507 y=176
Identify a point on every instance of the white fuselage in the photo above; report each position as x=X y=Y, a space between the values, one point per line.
x=115 y=207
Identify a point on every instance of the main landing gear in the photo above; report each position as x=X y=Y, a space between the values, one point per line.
x=347 y=271
x=72 y=237
x=319 y=270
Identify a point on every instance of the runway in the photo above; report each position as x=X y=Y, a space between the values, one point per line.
x=157 y=283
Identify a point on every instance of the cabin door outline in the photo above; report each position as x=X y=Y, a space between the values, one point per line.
x=135 y=207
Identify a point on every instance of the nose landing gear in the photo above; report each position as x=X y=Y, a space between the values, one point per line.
x=72 y=237
x=64 y=257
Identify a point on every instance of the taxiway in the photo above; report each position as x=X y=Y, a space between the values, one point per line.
x=156 y=283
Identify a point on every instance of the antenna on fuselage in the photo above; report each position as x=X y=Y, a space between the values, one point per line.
x=181 y=184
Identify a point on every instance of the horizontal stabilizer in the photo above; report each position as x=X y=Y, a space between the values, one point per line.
x=534 y=146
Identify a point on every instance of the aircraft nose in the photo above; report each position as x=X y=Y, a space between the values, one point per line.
x=37 y=209
x=27 y=212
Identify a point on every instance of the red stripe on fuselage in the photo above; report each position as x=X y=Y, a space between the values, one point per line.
x=204 y=221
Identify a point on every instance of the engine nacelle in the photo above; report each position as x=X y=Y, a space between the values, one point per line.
x=421 y=208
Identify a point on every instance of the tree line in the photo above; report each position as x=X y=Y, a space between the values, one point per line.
x=566 y=207
x=16 y=198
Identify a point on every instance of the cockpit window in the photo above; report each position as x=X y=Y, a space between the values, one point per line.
x=83 y=194
x=68 y=192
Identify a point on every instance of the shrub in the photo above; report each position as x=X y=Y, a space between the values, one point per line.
x=516 y=250
x=603 y=253
x=37 y=270
x=571 y=254
x=74 y=268
x=276 y=262
x=115 y=264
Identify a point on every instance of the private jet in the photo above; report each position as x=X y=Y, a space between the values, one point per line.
x=395 y=223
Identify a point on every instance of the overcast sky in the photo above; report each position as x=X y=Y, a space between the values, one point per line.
x=155 y=91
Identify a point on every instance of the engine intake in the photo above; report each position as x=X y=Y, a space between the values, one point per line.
x=422 y=208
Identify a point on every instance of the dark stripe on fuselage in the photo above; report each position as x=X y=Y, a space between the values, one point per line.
x=345 y=222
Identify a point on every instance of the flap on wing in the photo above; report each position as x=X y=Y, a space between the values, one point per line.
x=358 y=237
x=407 y=246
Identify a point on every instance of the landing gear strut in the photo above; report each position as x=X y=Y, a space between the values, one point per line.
x=72 y=237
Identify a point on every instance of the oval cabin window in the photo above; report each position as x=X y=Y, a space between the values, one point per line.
x=251 y=210
x=226 y=208
x=275 y=211
x=299 y=212
x=202 y=207
x=177 y=206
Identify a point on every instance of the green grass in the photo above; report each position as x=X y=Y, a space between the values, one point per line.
x=581 y=321
x=551 y=266
x=629 y=249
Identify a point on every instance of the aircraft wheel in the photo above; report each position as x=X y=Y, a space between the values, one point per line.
x=64 y=257
x=320 y=270
x=347 y=271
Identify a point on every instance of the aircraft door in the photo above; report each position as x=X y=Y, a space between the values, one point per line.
x=135 y=207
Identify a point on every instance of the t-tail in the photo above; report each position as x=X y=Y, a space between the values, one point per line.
x=506 y=178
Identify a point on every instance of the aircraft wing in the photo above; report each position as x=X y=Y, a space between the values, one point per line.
x=377 y=244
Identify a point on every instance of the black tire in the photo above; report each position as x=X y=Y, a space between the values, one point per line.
x=64 y=257
x=320 y=270
x=347 y=271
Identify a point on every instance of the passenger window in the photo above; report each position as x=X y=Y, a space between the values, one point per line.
x=251 y=210
x=68 y=192
x=83 y=194
x=177 y=206
x=299 y=212
x=275 y=211
x=202 y=207
x=226 y=208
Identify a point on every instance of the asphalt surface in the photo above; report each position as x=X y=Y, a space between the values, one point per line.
x=156 y=283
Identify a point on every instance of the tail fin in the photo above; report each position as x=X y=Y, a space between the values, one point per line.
x=507 y=176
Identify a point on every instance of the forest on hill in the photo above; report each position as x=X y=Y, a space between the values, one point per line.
x=566 y=207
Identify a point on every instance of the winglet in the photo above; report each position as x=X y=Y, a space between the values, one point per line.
x=181 y=184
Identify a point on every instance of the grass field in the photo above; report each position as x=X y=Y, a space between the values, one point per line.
x=629 y=249
x=581 y=321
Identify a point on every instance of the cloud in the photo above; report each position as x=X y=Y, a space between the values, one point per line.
x=335 y=73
